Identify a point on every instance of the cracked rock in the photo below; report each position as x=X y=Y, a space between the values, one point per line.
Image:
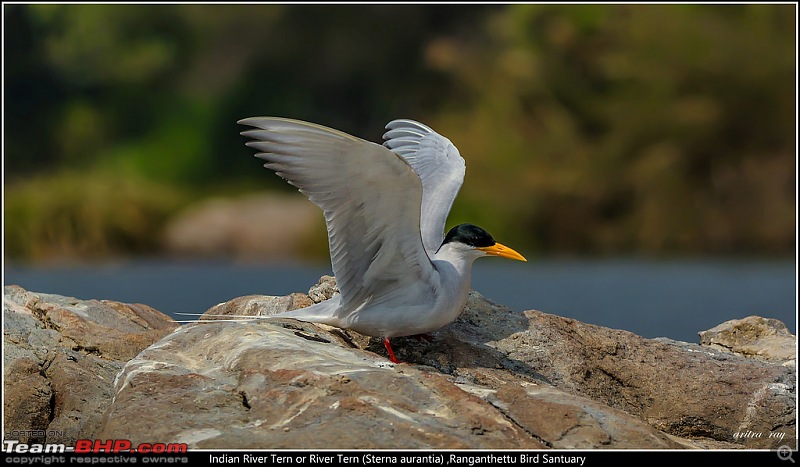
x=60 y=358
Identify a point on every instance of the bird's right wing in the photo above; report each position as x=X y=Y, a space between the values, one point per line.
x=440 y=167
x=371 y=199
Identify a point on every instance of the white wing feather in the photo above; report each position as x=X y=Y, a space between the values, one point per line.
x=371 y=199
x=439 y=166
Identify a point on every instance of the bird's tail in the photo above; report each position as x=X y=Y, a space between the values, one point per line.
x=322 y=312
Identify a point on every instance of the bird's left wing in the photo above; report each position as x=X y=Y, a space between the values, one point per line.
x=440 y=167
x=371 y=199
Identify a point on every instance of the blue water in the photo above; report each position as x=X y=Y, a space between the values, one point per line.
x=674 y=299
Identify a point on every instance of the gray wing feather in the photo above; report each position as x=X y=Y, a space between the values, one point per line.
x=370 y=197
x=440 y=168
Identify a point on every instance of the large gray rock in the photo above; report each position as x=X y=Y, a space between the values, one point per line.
x=493 y=379
x=61 y=356
x=286 y=384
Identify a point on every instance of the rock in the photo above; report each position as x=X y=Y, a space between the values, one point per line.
x=323 y=290
x=60 y=358
x=494 y=379
x=719 y=395
x=535 y=380
x=26 y=400
x=245 y=228
x=284 y=384
x=707 y=395
x=275 y=385
x=682 y=389
x=257 y=305
x=754 y=336
x=560 y=419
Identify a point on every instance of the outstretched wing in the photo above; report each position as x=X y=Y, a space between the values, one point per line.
x=371 y=199
x=440 y=168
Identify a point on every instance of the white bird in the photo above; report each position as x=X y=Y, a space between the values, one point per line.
x=385 y=208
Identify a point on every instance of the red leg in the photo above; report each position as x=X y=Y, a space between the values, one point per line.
x=388 y=346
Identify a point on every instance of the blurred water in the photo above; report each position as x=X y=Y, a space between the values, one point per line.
x=674 y=299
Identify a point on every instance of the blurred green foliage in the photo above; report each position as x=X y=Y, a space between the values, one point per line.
x=587 y=129
x=645 y=128
x=88 y=216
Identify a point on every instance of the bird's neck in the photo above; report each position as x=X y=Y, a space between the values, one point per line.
x=454 y=264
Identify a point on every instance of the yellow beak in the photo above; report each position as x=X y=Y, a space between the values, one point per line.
x=502 y=250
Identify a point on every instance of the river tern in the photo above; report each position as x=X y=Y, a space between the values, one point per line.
x=385 y=208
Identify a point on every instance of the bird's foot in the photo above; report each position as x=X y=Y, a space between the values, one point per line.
x=388 y=346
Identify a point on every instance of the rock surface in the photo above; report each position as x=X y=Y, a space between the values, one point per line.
x=493 y=379
x=61 y=356
x=680 y=388
x=522 y=380
x=245 y=228
x=283 y=384
x=764 y=338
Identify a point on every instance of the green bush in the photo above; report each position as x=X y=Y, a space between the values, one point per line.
x=85 y=216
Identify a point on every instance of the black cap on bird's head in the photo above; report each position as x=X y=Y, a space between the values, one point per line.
x=479 y=239
x=469 y=234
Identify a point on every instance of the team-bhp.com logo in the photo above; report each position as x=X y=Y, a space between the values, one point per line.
x=83 y=446
x=87 y=446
